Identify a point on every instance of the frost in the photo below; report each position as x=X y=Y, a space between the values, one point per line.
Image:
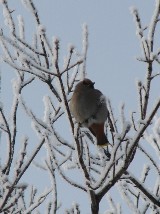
x=156 y=128
x=144 y=173
x=67 y=60
x=139 y=32
x=112 y=204
x=133 y=10
x=156 y=187
x=123 y=191
x=16 y=84
x=153 y=21
x=18 y=48
x=41 y=29
x=25 y=3
x=73 y=76
x=38 y=201
x=144 y=47
x=47 y=110
x=21 y=26
x=102 y=155
x=28 y=4
x=7 y=19
x=152 y=56
x=55 y=49
x=71 y=47
x=84 y=50
x=75 y=154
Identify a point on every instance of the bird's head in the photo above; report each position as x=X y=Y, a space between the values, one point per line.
x=85 y=84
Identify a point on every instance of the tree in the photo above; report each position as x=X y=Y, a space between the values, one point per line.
x=137 y=135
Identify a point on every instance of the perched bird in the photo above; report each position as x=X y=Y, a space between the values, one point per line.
x=88 y=106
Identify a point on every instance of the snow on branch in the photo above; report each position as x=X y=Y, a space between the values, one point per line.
x=39 y=200
x=85 y=49
x=75 y=153
x=7 y=16
x=153 y=24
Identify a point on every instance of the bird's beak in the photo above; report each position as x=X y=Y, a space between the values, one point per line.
x=92 y=85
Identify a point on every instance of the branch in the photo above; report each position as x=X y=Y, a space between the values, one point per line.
x=147 y=193
x=130 y=155
x=153 y=24
x=150 y=158
x=35 y=12
x=5 y=199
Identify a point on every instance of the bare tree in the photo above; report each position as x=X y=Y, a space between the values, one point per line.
x=129 y=137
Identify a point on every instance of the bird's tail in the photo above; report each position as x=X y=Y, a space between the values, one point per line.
x=98 y=131
x=102 y=140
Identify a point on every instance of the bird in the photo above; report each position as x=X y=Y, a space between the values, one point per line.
x=88 y=107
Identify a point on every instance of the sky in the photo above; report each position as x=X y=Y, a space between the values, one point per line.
x=113 y=47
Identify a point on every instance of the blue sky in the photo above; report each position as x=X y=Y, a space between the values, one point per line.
x=113 y=46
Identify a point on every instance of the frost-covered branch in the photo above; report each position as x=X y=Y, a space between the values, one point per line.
x=147 y=48
x=70 y=154
x=154 y=199
x=38 y=201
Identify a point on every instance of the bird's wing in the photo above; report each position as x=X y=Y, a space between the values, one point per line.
x=90 y=103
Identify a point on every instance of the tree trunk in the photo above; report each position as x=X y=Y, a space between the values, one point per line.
x=95 y=208
x=94 y=203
